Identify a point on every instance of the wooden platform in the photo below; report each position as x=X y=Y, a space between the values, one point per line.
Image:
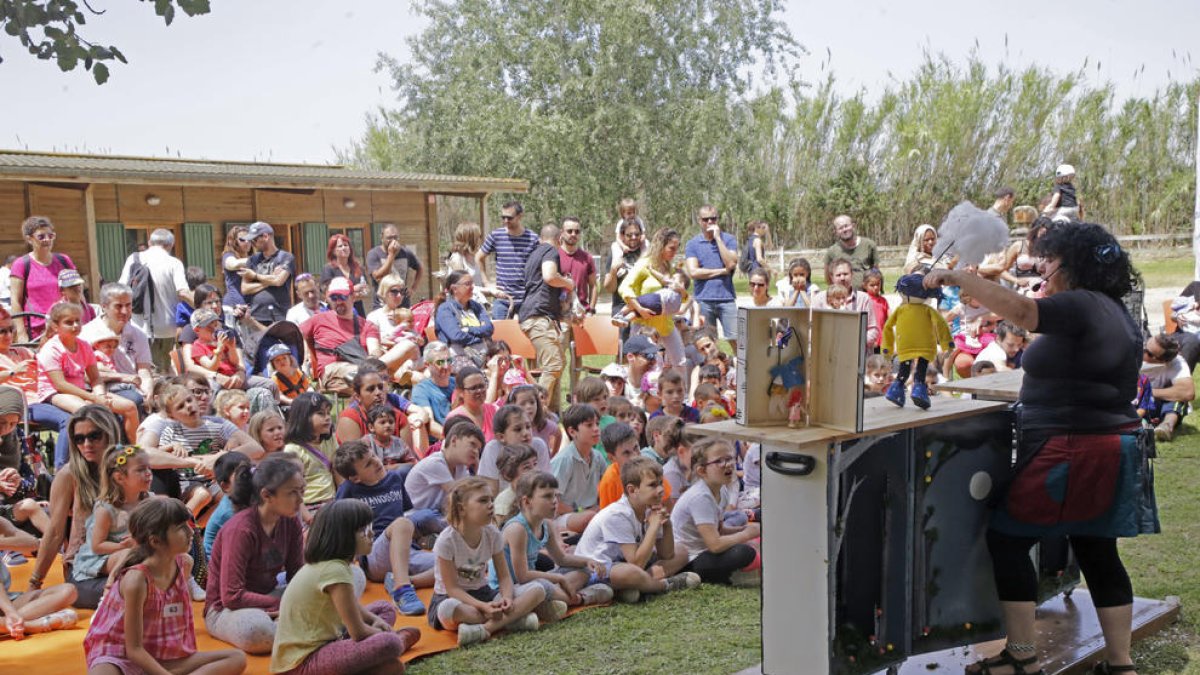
x=1005 y=386
x=1069 y=637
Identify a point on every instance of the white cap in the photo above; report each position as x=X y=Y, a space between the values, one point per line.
x=1064 y=170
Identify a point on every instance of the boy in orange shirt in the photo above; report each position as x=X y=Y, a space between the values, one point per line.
x=621 y=444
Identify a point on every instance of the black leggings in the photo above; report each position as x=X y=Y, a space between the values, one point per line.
x=1016 y=579
x=716 y=568
x=905 y=366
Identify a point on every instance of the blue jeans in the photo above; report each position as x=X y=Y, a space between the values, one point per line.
x=500 y=308
x=724 y=311
x=53 y=417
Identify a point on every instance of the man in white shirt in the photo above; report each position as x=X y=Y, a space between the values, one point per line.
x=133 y=355
x=1171 y=384
x=1005 y=351
x=170 y=287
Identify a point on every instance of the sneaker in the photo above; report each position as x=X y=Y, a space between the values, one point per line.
x=407 y=601
x=13 y=558
x=525 y=623
x=895 y=393
x=682 y=581
x=389 y=583
x=920 y=395
x=620 y=321
x=198 y=594
x=551 y=610
x=628 y=595
x=597 y=594
x=470 y=633
x=1164 y=432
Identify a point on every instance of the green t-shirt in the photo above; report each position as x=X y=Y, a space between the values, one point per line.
x=308 y=619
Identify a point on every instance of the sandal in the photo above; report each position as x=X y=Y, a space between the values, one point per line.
x=1104 y=668
x=1005 y=658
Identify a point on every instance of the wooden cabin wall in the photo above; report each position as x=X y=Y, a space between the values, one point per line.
x=12 y=213
x=407 y=211
x=66 y=207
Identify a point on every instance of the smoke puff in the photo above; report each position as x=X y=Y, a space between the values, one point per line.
x=971 y=233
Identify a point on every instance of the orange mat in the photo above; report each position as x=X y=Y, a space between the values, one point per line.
x=61 y=652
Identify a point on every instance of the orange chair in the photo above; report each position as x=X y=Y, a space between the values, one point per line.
x=596 y=336
x=1169 y=325
x=510 y=331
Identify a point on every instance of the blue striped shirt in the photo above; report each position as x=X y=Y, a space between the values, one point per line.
x=511 y=255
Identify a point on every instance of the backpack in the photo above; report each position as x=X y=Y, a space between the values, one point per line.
x=745 y=263
x=422 y=314
x=142 y=284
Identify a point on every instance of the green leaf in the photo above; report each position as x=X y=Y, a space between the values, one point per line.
x=100 y=72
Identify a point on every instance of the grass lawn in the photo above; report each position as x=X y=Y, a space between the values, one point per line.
x=663 y=633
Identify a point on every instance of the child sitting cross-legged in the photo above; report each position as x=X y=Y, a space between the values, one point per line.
x=574 y=580
x=34 y=611
x=322 y=627
x=714 y=550
x=621 y=443
x=462 y=598
x=634 y=539
x=392 y=552
x=578 y=468
x=391 y=450
x=223 y=472
x=510 y=427
x=124 y=483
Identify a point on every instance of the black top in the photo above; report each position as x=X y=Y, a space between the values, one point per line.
x=541 y=299
x=1066 y=196
x=271 y=304
x=630 y=257
x=1081 y=373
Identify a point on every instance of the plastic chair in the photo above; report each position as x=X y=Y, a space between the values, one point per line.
x=596 y=336
x=1169 y=325
x=510 y=331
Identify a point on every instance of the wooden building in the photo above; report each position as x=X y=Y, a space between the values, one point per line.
x=104 y=207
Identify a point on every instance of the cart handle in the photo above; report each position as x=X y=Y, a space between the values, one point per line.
x=804 y=463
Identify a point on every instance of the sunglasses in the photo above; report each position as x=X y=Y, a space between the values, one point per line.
x=244 y=240
x=757 y=284
x=395 y=290
x=45 y=236
x=94 y=437
x=440 y=363
x=476 y=389
x=710 y=219
x=339 y=297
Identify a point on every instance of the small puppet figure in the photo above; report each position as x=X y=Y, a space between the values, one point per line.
x=797 y=411
x=777 y=403
x=913 y=332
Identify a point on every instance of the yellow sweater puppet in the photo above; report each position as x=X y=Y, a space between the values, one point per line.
x=913 y=332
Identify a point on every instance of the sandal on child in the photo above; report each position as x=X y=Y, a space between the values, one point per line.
x=1005 y=659
x=1104 y=668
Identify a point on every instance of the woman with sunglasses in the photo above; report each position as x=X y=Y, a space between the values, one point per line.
x=760 y=290
x=393 y=347
x=233 y=258
x=18 y=368
x=34 y=281
x=342 y=263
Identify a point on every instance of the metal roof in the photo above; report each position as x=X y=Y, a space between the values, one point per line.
x=22 y=165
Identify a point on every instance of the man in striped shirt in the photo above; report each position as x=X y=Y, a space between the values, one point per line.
x=512 y=245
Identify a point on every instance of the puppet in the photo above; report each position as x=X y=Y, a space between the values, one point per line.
x=913 y=333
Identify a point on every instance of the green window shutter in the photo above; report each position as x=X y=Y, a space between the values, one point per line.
x=356 y=244
x=198 y=247
x=110 y=248
x=316 y=241
x=376 y=234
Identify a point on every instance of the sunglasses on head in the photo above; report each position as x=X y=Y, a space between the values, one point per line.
x=94 y=436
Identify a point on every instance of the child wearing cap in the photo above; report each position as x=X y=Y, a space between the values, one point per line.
x=70 y=288
x=1064 y=202
x=288 y=376
x=104 y=345
x=214 y=349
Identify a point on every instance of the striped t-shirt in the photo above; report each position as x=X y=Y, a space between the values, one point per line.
x=511 y=255
x=215 y=429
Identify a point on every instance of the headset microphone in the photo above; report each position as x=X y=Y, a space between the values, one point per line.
x=1038 y=286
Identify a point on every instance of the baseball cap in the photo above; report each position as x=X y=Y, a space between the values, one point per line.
x=260 y=228
x=1064 y=170
x=68 y=278
x=640 y=344
x=203 y=317
x=278 y=349
x=614 y=370
x=338 y=286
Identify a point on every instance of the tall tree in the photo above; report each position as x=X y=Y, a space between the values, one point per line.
x=49 y=29
x=588 y=100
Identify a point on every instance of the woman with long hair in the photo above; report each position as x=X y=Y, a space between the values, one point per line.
x=233 y=258
x=647 y=276
x=468 y=237
x=343 y=263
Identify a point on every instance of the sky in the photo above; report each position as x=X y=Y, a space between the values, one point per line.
x=293 y=80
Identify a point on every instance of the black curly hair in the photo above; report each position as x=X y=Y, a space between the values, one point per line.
x=1090 y=257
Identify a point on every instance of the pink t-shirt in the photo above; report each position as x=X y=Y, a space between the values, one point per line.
x=54 y=356
x=489 y=411
x=41 y=284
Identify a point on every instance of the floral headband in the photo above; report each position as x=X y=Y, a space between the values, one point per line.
x=129 y=451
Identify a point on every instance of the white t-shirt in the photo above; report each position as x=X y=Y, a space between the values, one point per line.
x=491 y=453
x=751 y=466
x=1166 y=374
x=169 y=278
x=133 y=347
x=994 y=353
x=614 y=525
x=697 y=506
x=675 y=476
x=471 y=563
x=299 y=313
x=427 y=481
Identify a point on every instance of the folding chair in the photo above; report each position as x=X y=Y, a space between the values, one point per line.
x=596 y=336
x=510 y=331
x=1169 y=325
